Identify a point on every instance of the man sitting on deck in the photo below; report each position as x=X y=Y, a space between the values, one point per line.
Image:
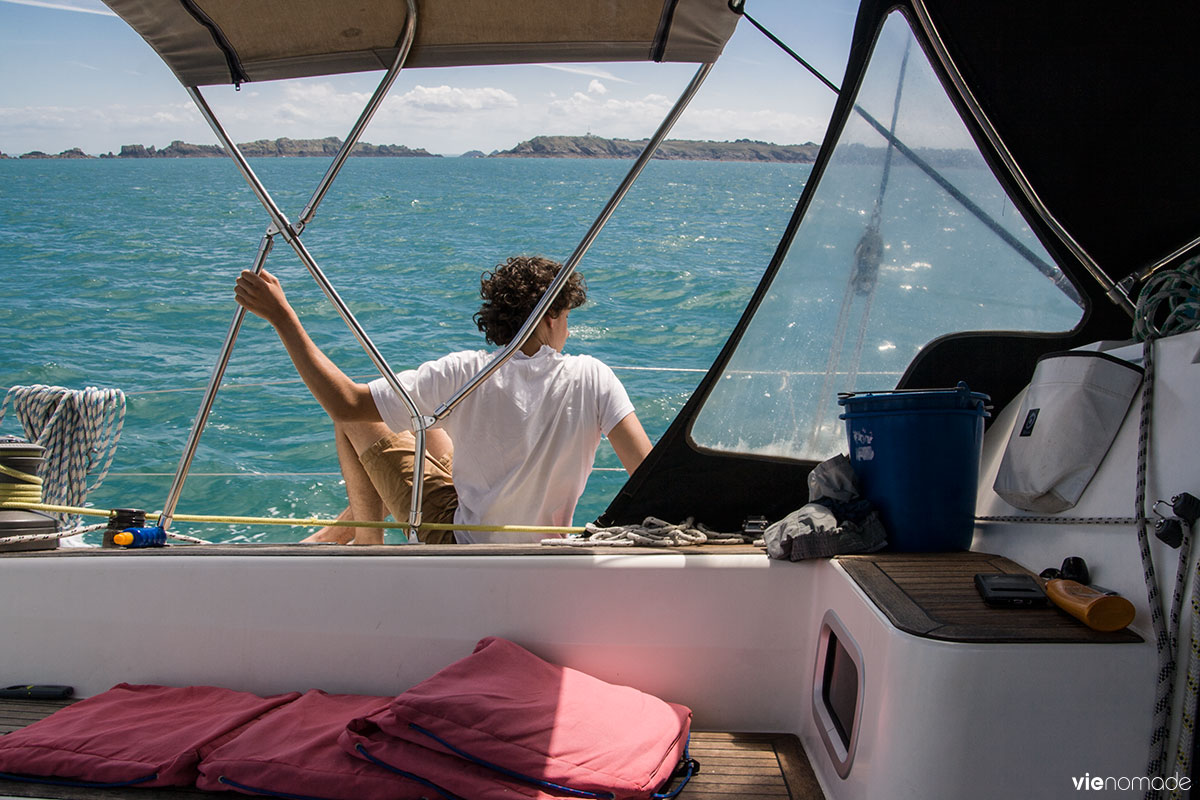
x=518 y=450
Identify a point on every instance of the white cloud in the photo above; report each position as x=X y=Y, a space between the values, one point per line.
x=99 y=129
x=452 y=98
x=781 y=127
x=610 y=116
x=440 y=118
x=590 y=71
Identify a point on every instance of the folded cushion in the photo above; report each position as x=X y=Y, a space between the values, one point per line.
x=294 y=751
x=149 y=735
x=437 y=775
x=504 y=708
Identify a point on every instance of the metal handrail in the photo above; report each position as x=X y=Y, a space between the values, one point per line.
x=280 y=225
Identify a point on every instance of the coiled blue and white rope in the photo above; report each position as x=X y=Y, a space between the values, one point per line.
x=79 y=429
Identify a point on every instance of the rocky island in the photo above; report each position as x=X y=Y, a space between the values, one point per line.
x=672 y=149
x=263 y=148
x=537 y=147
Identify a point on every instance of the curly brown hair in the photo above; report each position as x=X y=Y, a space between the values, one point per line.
x=512 y=290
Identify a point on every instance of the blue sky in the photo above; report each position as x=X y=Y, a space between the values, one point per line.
x=75 y=76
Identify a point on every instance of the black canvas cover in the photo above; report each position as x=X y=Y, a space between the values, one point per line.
x=1097 y=106
x=1098 y=103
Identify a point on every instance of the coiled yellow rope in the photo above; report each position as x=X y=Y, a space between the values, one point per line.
x=27 y=489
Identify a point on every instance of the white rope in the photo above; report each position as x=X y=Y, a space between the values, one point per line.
x=1169 y=303
x=46 y=537
x=79 y=429
x=652 y=532
x=1186 y=723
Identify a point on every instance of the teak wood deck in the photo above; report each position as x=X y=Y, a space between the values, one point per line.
x=733 y=766
x=933 y=595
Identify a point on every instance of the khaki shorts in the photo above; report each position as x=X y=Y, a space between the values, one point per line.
x=389 y=463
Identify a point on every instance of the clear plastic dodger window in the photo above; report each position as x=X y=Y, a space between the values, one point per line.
x=887 y=259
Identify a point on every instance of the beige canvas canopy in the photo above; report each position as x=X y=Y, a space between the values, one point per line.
x=207 y=42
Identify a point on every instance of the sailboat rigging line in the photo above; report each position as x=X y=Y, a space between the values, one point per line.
x=617 y=368
x=568 y=268
x=869 y=253
x=739 y=7
x=1049 y=270
x=1164 y=646
x=280 y=226
x=1166 y=632
x=864 y=276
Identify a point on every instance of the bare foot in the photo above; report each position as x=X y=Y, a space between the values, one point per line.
x=335 y=534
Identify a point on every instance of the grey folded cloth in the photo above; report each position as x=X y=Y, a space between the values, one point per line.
x=813 y=530
x=833 y=478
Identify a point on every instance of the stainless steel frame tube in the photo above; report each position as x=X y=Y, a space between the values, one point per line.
x=279 y=224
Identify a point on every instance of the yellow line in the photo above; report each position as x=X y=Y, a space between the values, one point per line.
x=305 y=521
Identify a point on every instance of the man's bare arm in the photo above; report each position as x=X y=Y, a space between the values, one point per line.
x=630 y=441
x=342 y=398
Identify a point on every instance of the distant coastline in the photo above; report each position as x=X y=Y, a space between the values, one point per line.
x=537 y=147
x=263 y=148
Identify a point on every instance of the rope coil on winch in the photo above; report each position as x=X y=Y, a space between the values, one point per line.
x=27 y=489
x=79 y=429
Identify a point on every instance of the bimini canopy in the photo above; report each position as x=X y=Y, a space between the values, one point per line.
x=208 y=42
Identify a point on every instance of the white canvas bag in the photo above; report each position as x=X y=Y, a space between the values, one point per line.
x=1071 y=412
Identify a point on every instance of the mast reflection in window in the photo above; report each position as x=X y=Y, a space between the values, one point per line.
x=908 y=237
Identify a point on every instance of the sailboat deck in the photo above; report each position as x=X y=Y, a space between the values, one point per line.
x=733 y=766
x=296 y=549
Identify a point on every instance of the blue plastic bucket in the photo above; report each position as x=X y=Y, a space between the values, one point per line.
x=917 y=454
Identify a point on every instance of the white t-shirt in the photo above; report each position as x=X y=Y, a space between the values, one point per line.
x=524 y=440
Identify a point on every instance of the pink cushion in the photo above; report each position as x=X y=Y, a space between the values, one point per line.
x=132 y=732
x=436 y=774
x=294 y=750
x=505 y=706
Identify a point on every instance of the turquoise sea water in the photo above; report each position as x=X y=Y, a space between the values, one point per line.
x=120 y=274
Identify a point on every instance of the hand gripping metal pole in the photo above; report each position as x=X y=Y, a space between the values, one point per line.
x=568 y=269
x=278 y=225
